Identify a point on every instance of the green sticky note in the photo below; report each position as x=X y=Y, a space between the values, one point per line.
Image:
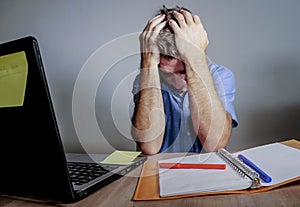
x=13 y=77
x=121 y=157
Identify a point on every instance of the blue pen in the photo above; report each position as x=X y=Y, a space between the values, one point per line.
x=261 y=173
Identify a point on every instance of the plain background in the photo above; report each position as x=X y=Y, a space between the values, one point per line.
x=258 y=40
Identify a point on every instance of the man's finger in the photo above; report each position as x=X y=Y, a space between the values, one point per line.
x=174 y=26
x=196 y=19
x=152 y=35
x=159 y=27
x=180 y=18
x=187 y=16
x=154 y=22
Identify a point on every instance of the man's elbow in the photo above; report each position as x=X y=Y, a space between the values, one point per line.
x=149 y=149
x=215 y=144
x=214 y=147
x=146 y=143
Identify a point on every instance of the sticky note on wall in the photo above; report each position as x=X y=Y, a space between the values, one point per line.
x=13 y=77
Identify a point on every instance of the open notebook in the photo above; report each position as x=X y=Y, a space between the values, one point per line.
x=279 y=161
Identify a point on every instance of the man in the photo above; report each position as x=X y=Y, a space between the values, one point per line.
x=183 y=103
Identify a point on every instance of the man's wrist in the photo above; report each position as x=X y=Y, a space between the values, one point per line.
x=194 y=58
x=149 y=78
x=149 y=61
x=149 y=64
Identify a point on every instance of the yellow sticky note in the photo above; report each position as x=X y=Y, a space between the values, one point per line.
x=13 y=77
x=121 y=157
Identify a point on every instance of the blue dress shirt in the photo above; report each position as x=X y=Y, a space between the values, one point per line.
x=179 y=134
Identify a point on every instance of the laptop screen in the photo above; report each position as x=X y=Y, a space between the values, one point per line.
x=32 y=156
x=33 y=161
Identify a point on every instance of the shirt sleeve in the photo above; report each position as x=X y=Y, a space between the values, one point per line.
x=224 y=82
x=135 y=93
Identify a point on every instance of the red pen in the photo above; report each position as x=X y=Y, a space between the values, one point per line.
x=192 y=166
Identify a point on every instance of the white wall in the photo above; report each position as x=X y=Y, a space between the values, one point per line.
x=258 y=40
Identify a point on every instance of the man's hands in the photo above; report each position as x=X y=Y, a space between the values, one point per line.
x=190 y=34
x=148 y=41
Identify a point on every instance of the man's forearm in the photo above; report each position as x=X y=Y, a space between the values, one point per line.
x=149 y=118
x=211 y=122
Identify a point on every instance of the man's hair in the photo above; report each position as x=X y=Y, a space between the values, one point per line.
x=166 y=41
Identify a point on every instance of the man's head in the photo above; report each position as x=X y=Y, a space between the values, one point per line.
x=172 y=69
x=166 y=40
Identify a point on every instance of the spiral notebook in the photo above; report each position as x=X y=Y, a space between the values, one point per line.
x=236 y=178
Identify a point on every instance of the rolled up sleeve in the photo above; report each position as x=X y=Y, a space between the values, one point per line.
x=224 y=82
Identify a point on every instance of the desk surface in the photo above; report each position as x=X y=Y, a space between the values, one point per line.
x=120 y=193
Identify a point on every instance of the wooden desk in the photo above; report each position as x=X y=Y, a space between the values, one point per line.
x=120 y=193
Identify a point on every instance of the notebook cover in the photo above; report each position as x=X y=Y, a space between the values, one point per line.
x=148 y=183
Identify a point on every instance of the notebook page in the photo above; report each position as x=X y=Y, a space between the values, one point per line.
x=279 y=161
x=185 y=181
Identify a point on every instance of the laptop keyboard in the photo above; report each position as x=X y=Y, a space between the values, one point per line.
x=82 y=173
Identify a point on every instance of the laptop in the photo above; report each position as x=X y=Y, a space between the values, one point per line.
x=32 y=158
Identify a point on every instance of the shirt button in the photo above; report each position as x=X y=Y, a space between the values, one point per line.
x=188 y=133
